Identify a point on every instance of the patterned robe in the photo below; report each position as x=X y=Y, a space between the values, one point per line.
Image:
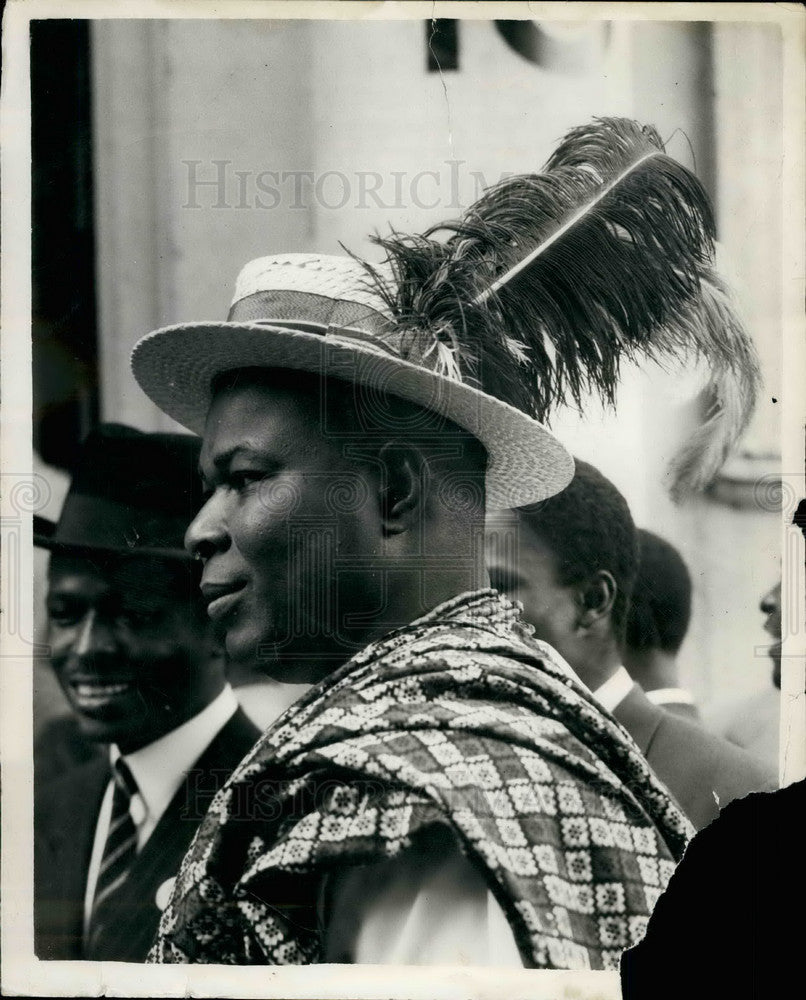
x=460 y=719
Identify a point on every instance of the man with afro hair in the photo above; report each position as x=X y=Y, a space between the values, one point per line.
x=572 y=562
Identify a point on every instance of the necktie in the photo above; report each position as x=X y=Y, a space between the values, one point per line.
x=120 y=850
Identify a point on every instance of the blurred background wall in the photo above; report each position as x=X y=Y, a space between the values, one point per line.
x=190 y=147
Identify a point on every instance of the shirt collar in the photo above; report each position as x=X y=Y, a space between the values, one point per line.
x=670 y=696
x=160 y=767
x=614 y=690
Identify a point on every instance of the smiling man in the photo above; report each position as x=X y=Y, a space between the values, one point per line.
x=130 y=650
x=142 y=673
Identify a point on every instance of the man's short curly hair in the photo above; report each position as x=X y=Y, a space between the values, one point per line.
x=588 y=527
x=661 y=605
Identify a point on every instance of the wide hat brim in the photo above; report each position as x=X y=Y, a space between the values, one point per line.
x=46 y=535
x=175 y=366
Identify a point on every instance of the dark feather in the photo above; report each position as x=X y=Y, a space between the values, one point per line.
x=430 y=292
x=551 y=279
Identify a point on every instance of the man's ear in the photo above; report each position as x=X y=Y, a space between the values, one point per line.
x=595 y=598
x=402 y=486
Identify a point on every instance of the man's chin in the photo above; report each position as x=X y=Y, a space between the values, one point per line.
x=123 y=725
x=248 y=650
x=304 y=661
x=99 y=731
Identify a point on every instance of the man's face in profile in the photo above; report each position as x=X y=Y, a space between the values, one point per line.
x=523 y=567
x=771 y=607
x=288 y=556
x=128 y=649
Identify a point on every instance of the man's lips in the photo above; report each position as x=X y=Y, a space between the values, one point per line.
x=94 y=692
x=221 y=597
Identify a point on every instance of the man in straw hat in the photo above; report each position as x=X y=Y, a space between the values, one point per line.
x=446 y=791
x=139 y=667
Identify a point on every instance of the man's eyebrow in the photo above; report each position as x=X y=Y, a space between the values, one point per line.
x=224 y=458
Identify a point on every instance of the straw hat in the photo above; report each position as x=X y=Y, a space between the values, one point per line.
x=319 y=314
x=530 y=301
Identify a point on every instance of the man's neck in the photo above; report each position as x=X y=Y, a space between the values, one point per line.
x=420 y=592
x=600 y=663
x=412 y=596
x=205 y=696
x=653 y=669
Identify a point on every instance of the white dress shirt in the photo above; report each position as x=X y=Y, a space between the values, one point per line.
x=427 y=906
x=670 y=696
x=265 y=701
x=614 y=690
x=159 y=769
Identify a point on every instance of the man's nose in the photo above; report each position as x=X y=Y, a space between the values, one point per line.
x=95 y=636
x=207 y=533
x=770 y=601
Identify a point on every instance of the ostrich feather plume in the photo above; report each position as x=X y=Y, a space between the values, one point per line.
x=549 y=280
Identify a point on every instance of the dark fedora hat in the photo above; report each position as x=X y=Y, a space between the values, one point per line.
x=131 y=492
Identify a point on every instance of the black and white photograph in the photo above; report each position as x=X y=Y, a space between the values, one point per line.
x=403 y=498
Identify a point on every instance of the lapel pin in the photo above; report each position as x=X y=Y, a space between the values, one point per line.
x=164 y=893
x=137 y=810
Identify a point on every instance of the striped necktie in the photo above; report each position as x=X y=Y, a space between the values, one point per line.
x=120 y=851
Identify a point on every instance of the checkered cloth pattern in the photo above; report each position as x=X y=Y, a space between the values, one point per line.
x=460 y=719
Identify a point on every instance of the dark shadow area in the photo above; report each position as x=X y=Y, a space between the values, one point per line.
x=64 y=362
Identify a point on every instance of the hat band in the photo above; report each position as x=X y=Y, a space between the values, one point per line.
x=281 y=304
x=344 y=320
x=312 y=313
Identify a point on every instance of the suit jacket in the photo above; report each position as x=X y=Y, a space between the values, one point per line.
x=60 y=747
x=694 y=764
x=65 y=818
